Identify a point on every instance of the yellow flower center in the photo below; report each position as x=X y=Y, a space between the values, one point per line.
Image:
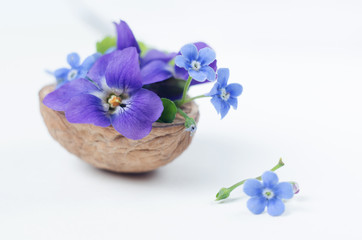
x=114 y=101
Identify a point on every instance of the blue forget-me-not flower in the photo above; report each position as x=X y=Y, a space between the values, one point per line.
x=76 y=70
x=224 y=95
x=268 y=193
x=197 y=62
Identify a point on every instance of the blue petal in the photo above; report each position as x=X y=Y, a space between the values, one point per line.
x=201 y=45
x=253 y=187
x=190 y=52
x=125 y=37
x=124 y=71
x=270 y=179
x=61 y=72
x=209 y=72
x=87 y=108
x=89 y=61
x=155 y=71
x=275 y=207
x=223 y=76
x=256 y=205
x=217 y=102
x=224 y=109
x=233 y=102
x=284 y=190
x=82 y=73
x=182 y=62
x=215 y=90
x=73 y=59
x=197 y=75
x=206 y=56
x=235 y=89
x=61 y=75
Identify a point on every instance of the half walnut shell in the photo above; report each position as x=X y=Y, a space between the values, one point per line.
x=106 y=148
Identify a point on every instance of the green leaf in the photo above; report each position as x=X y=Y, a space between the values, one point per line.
x=172 y=62
x=143 y=47
x=169 y=111
x=105 y=44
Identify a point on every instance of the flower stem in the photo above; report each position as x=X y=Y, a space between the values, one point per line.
x=191 y=99
x=225 y=192
x=186 y=88
x=190 y=123
x=182 y=113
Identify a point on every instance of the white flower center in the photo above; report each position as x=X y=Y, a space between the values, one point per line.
x=195 y=65
x=268 y=194
x=224 y=94
x=72 y=74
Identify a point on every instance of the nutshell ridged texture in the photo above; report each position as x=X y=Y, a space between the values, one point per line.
x=105 y=148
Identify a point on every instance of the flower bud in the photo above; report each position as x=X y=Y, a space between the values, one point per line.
x=190 y=125
x=222 y=194
x=296 y=188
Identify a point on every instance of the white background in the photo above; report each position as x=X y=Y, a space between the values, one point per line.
x=300 y=64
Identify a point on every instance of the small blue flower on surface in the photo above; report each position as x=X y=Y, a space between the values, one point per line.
x=268 y=193
x=197 y=62
x=224 y=95
x=76 y=70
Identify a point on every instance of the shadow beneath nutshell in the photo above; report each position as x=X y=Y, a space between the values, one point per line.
x=135 y=177
x=138 y=176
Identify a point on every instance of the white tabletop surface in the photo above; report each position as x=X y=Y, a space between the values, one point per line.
x=300 y=63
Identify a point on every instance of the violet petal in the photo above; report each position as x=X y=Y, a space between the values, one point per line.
x=87 y=108
x=124 y=71
x=98 y=70
x=58 y=99
x=154 y=54
x=125 y=37
x=155 y=71
x=135 y=120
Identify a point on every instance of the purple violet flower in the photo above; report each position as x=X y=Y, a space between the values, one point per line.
x=224 y=95
x=154 y=65
x=76 y=70
x=268 y=194
x=115 y=96
x=183 y=64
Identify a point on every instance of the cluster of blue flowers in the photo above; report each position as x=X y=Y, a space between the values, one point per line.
x=113 y=87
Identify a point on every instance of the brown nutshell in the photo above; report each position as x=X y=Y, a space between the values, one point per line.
x=105 y=148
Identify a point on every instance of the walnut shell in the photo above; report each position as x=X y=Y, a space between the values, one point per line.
x=106 y=148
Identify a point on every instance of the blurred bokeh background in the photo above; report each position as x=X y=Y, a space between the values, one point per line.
x=300 y=65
